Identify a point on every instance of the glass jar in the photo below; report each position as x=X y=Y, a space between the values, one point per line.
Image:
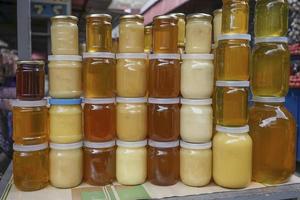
x=30 y=166
x=65 y=76
x=64 y=35
x=196 y=120
x=131 y=118
x=270 y=67
x=235 y=17
x=65 y=125
x=271 y=18
x=163 y=162
x=217 y=24
x=131 y=34
x=198 y=33
x=273 y=131
x=163 y=119
x=131 y=73
x=197 y=70
x=164 y=75
x=165 y=34
x=66 y=164
x=30 y=122
x=99 y=119
x=99 y=75
x=99 y=162
x=148 y=39
x=181 y=29
x=232 y=157
x=131 y=162
x=232 y=58
x=230 y=95
x=98 y=33
x=30 y=77
x=195 y=163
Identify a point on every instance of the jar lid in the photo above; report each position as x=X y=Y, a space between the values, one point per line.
x=30 y=62
x=179 y=15
x=217 y=11
x=271 y=39
x=196 y=102
x=199 y=16
x=225 y=129
x=64 y=101
x=28 y=148
x=71 y=17
x=131 y=55
x=164 y=56
x=98 y=55
x=68 y=146
x=20 y=103
x=157 y=144
x=137 y=144
x=98 y=16
x=188 y=145
x=131 y=100
x=99 y=100
x=138 y=17
x=198 y=56
x=232 y=83
x=234 y=37
x=164 y=100
x=168 y=17
x=148 y=28
x=99 y=145
x=64 y=58
x=269 y=99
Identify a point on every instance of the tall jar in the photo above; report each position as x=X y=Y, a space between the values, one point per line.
x=131 y=34
x=148 y=39
x=98 y=33
x=181 y=29
x=217 y=24
x=270 y=67
x=64 y=35
x=273 y=131
x=198 y=33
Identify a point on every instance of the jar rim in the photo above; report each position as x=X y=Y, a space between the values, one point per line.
x=164 y=100
x=71 y=17
x=131 y=100
x=29 y=148
x=136 y=144
x=98 y=55
x=268 y=99
x=99 y=145
x=53 y=101
x=217 y=11
x=165 y=17
x=138 y=17
x=131 y=55
x=157 y=144
x=188 y=145
x=178 y=15
x=64 y=58
x=199 y=16
x=196 y=102
x=234 y=37
x=226 y=129
x=21 y=103
x=67 y=146
x=30 y=62
x=98 y=16
x=164 y=56
x=197 y=56
x=271 y=40
x=99 y=100
x=232 y=83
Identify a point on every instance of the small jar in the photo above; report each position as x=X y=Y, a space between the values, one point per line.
x=217 y=24
x=232 y=58
x=198 y=33
x=99 y=162
x=163 y=162
x=99 y=119
x=270 y=67
x=164 y=75
x=98 y=33
x=148 y=39
x=66 y=164
x=232 y=157
x=99 y=75
x=65 y=120
x=132 y=71
x=30 y=77
x=196 y=120
x=163 y=119
x=131 y=162
x=165 y=34
x=65 y=76
x=231 y=103
x=64 y=35
x=235 y=17
x=197 y=70
x=30 y=166
x=131 y=118
x=30 y=122
x=131 y=34
x=195 y=163
x=181 y=29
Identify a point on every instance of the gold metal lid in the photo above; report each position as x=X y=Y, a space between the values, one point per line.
x=170 y=17
x=30 y=62
x=138 y=17
x=99 y=16
x=179 y=15
x=217 y=11
x=199 y=16
x=58 y=17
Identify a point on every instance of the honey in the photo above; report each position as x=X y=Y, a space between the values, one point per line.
x=217 y=24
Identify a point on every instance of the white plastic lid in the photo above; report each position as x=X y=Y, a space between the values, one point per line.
x=164 y=56
x=99 y=100
x=98 y=55
x=196 y=102
x=28 y=148
x=234 y=37
x=20 y=103
x=131 y=55
x=232 y=83
x=76 y=145
x=131 y=100
x=137 y=144
x=99 y=145
x=157 y=144
x=197 y=56
x=226 y=129
x=269 y=99
x=64 y=58
x=188 y=145
x=271 y=39
x=163 y=101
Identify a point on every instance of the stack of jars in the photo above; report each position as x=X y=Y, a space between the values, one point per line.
x=272 y=127
x=232 y=146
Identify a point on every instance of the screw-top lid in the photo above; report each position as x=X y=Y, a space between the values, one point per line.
x=198 y=56
x=20 y=103
x=196 y=102
x=30 y=62
x=217 y=11
x=157 y=144
x=98 y=55
x=131 y=55
x=188 y=145
x=64 y=58
x=68 y=17
x=76 y=145
x=269 y=99
x=28 y=148
x=165 y=17
x=99 y=100
x=199 y=16
x=164 y=56
x=131 y=100
x=271 y=39
x=99 y=145
x=138 y=17
x=232 y=83
x=164 y=100
x=99 y=16
x=137 y=144
x=64 y=101
x=234 y=37
x=226 y=129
